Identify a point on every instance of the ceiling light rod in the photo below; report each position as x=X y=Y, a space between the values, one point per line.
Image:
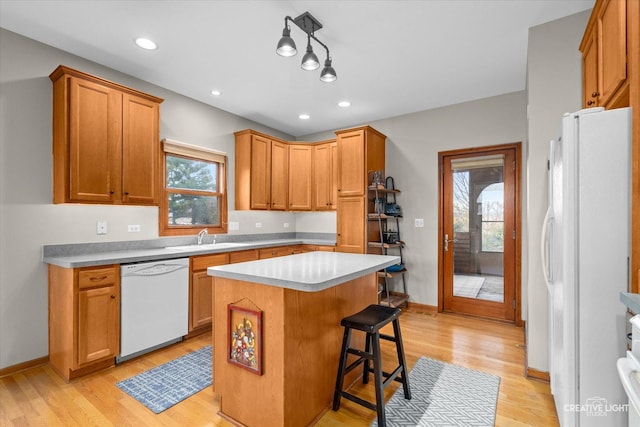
x=287 y=47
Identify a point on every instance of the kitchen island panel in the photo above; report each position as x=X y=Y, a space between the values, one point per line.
x=301 y=346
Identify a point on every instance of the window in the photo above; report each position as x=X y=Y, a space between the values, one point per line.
x=491 y=208
x=193 y=192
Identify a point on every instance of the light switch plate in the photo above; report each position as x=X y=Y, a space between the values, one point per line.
x=234 y=225
x=258 y=225
x=419 y=222
x=133 y=228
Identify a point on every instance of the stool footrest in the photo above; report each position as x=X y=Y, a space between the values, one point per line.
x=359 y=401
x=360 y=353
x=354 y=365
x=387 y=337
x=392 y=376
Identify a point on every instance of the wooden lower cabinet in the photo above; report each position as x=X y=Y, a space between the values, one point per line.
x=351 y=236
x=201 y=291
x=84 y=319
x=276 y=251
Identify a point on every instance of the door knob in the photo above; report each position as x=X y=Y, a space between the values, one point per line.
x=446 y=242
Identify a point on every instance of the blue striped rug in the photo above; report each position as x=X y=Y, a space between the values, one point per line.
x=444 y=395
x=162 y=387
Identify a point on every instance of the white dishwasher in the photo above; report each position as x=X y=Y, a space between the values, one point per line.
x=154 y=308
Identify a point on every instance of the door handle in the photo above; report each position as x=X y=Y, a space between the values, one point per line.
x=446 y=242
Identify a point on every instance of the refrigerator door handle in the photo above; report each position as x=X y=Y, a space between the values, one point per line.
x=545 y=248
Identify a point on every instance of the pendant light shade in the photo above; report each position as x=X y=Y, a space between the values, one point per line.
x=286 y=45
x=310 y=60
x=328 y=74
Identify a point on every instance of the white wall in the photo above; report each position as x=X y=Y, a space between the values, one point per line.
x=554 y=87
x=413 y=144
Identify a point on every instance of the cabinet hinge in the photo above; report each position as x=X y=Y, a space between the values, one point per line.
x=514 y=304
x=513 y=234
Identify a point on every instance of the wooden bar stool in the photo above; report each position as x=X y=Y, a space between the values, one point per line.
x=371 y=320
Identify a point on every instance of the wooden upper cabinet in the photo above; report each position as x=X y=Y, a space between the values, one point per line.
x=95 y=115
x=612 y=47
x=604 y=56
x=105 y=141
x=351 y=165
x=279 y=175
x=140 y=150
x=324 y=191
x=360 y=151
x=262 y=172
x=300 y=159
x=590 y=73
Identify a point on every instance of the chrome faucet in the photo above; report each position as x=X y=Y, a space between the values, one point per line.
x=201 y=235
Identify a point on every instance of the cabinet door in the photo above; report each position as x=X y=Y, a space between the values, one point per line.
x=351 y=161
x=201 y=289
x=98 y=324
x=351 y=225
x=325 y=177
x=590 y=74
x=95 y=130
x=260 y=172
x=140 y=144
x=612 y=47
x=279 y=175
x=300 y=177
x=201 y=300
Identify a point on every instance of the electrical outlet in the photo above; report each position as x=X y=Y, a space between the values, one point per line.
x=258 y=225
x=133 y=228
x=285 y=225
x=234 y=225
x=101 y=227
x=419 y=222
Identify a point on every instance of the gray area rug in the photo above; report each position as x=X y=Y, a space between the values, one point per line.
x=444 y=395
x=162 y=387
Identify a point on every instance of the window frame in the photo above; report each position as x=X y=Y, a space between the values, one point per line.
x=192 y=152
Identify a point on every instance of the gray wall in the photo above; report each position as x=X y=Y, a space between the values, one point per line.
x=28 y=220
x=413 y=143
x=554 y=87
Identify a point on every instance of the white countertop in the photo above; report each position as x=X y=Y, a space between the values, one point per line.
x=309 y=272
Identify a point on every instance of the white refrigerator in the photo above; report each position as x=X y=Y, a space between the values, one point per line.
x=585 y=251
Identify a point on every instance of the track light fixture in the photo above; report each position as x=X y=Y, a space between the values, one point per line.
x=287 y=47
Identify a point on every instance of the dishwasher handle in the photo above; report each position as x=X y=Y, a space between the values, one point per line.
x=152 y=270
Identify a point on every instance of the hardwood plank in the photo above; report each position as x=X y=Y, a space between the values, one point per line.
x=38 y=396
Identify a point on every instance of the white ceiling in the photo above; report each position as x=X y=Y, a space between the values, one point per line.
x=391 y=57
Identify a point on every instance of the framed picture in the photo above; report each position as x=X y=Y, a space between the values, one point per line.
x=245 y=338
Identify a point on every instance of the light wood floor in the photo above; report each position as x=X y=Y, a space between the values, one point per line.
x=39 y=397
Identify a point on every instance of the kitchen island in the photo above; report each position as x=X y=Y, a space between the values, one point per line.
x=300 y=300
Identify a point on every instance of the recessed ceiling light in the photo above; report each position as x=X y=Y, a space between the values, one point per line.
x=304 y=117
x=344 y=104
x=146 y=43
x=216 y=92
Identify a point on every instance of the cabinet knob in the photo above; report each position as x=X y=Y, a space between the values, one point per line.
x=111 y=191
x=113 y=297
x=594 y=94
x=590 y=102
x=126 y=193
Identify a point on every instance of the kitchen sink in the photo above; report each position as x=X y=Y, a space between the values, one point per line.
x=209 y=246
